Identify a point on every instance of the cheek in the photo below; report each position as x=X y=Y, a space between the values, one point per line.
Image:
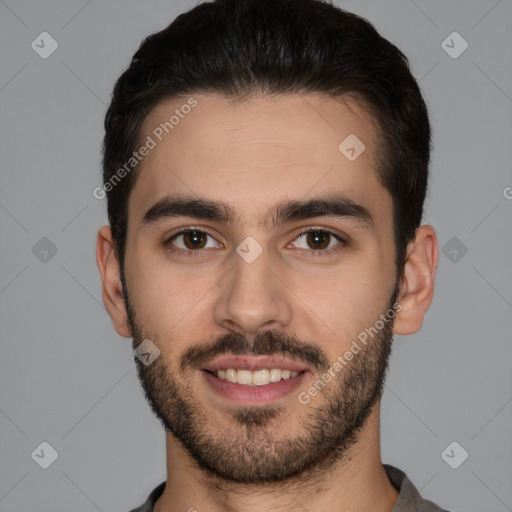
x=370 y=298
x=170 y=303
x=342 y=303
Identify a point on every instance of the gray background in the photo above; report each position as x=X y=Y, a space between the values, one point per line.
x=68 y=379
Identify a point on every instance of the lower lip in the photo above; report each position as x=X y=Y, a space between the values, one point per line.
x=250 y=395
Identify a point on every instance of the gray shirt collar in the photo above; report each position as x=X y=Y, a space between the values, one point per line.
x=409 y=499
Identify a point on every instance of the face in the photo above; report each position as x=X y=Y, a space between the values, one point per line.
x=259 y=255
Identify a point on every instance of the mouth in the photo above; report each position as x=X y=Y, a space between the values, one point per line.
x=253 y=380
x=260 y=377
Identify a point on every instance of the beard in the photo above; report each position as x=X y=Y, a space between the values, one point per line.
x=249 y=450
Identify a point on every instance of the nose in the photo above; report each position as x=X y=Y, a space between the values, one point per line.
x=253 y=298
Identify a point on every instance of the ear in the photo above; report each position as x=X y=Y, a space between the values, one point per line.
x=112 y=289
x=417 y=286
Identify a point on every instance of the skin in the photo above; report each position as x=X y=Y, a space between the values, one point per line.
x=252 y=156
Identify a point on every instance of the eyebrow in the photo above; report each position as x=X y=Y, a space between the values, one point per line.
x=287 y=211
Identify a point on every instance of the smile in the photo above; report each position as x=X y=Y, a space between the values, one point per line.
x=260 y=377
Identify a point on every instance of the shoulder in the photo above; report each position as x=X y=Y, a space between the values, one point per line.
x=152 y=499
x=409 y=499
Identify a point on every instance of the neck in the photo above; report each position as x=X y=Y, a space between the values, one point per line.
x=355 y=482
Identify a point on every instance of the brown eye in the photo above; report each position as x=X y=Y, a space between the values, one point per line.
x=319 y=242
x=318 y=239
x=191 y=241
x=194 y=239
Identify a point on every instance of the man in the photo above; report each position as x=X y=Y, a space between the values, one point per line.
x=266 y=165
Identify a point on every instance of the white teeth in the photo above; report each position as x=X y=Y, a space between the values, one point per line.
x=275 y=375
x=259 y=377
x=230 y=375
x=244 y=377
x=256 y=378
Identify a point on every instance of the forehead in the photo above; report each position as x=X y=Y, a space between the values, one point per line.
x=254 y=153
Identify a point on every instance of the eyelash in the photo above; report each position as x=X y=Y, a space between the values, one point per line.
x=319 y=253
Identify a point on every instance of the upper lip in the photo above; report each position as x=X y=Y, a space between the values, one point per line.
x=254 y=363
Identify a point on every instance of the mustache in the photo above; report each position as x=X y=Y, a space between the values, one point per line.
x=268 y=343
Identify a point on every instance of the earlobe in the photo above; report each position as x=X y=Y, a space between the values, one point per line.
x=112 y=291
x=417 y=287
